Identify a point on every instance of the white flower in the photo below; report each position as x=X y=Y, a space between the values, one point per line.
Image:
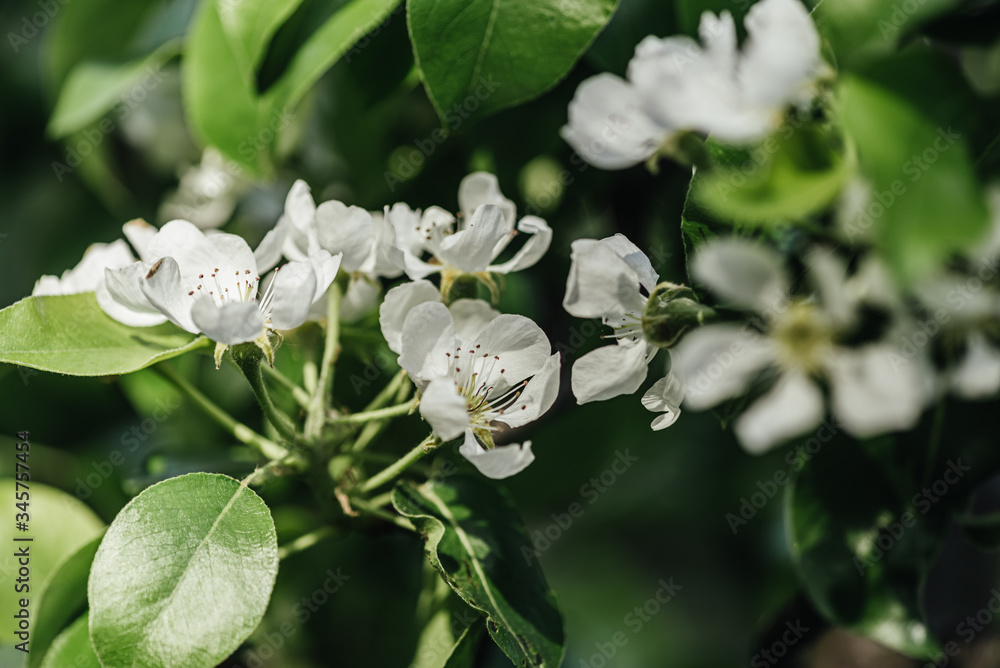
x=612 y=279
x=470 y=316
x=209 y=284
x=88 y=275
x=676 y=85
x=471 y=244
x=799 y=339
x=505 y=373
x=207 y=192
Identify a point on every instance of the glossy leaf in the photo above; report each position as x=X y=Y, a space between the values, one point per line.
x=250 y=24
x=64 y=595
x=70 y=334
x=183 y=575
x=479 y=56
x=475 y=540
x=71 y=648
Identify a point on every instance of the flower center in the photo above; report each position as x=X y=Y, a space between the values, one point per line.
x=236 y=287
x=475 y=373
x=629 y=326
x=804 y=337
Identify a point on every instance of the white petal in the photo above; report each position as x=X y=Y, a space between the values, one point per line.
x=608 y=126
x=120 y=296
x=871 y=394
x=359 y=299
x=792 y=407
x=521 y=346
x=667 y=419
x=139 y=232
x=229 y=322
x=537 y=397
x=600 y=284
x=472 y=248
x=744 y=273
x=471 y=316
x=781 y=53
x=635 y=258
x=978 y=373
x=385 y=259
x=428 y=333
x=397 y=305
x=481 y=188
x=501 y=462
x=609 y=371
x=718 y=34
x=299 y=219
x=346 y=229
x=444 y=409
x=666 y=394
x=326 y=267
x=293 y=291
x=406 y=224
x=717 y=362
x=268 y=252
x=87 y=275
x=163 y=288
x=532 y=250
x=198 y=253
x=829 y=274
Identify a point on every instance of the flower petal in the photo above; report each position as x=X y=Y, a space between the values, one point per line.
x=88 y=274
x=293 y=290
x=608 y=126
x=444 y=409
x=359 y=299
x=346 y=229
x=299 y=221
x=781 y=53
x=601 y=284
x=532 y=250
x=229 y=322
x=665 y=396
x=871 y=394
x=717 y=362
x=978 y=373
x=481 y=188
x=501 y=462
x=471 y=316
x=139 y=232
x=385 y=259
x=472 y=248
x=609 y=371
x=163 y=288
x=742 y=272
x=268 y=252
x=428 y=334
x=120 y=295
x=521 y=346
x=397 y=305
x=537 y=397
x=792 y=407
x=635 y=258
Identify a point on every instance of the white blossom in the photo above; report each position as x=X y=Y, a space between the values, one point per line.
x=676 y=85
x=88 y=275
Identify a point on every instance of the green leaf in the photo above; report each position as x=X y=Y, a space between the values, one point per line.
x=447 y=643
x=476 y=540
x=93 y=88
x=59 y=525
x=63 y=596
x=71 y=648
x=70 y=334
x=479 y=56
x=183 y=575
x=926 y=202
x=861 y=554
x=250 y=24
x=787 y=177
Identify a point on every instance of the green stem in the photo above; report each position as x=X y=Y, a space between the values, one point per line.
x=240 y=431
x=377 y=414
x=301 y=396
x=306 y=541
x=391 y=472
x=386 y=393
x=367 y=507
x=373 y=429
x=321 y=397
x=248 y=358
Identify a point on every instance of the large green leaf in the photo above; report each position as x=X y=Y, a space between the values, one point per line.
x=861 y=553
x=479 y=56
x=70 y=334
x=183 y=575
x=63 y=596
x=474 y=538
x=926 y=202
x=220 y=90
x=59 y=525
x=71 y=648
x=446 y=642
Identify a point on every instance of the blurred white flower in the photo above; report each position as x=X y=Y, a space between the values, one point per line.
x=207 y=193
x=676 y=84
x=210 y=284
x=506 y=373
x=472 y=243
x=612 y=279
x=88 y=275
x=799 y=339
